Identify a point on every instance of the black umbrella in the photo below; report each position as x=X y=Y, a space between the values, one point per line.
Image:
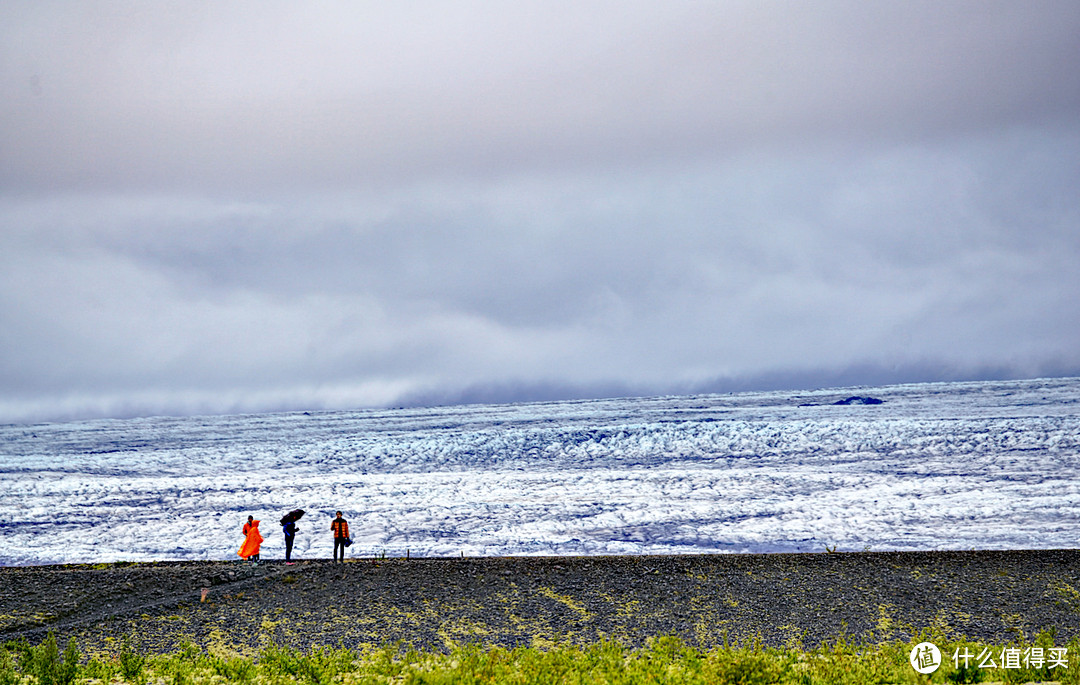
x=293 y=516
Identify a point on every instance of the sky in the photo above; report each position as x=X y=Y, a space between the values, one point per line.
x=263 y=206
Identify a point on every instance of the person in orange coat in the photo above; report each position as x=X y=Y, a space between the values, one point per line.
x=252 y=540
x=340 y=528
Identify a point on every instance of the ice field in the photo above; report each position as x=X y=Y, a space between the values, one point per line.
x=987 y=465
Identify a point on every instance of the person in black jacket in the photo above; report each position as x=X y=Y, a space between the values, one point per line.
x=290 y=533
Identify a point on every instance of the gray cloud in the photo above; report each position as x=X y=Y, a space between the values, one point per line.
x=115 y=96
x=263 y=206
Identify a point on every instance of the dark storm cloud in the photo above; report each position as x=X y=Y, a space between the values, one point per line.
x=264 y=206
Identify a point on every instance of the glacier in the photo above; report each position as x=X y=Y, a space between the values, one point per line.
x=987 y=465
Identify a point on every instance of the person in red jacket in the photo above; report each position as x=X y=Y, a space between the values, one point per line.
x=340 y=529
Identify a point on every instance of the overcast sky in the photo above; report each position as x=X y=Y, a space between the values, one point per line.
x=252 y=206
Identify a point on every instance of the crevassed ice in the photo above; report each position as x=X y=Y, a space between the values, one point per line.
x=936 y=466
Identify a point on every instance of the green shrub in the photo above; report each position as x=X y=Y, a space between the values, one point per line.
x=131 y=664
x=45 y=662
x=664 y=659
x=233 y=669
x=9 y=673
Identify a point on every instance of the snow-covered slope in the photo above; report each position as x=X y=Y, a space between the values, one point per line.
x=936 y=466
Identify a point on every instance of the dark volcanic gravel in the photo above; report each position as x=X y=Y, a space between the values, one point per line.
x=510 y=601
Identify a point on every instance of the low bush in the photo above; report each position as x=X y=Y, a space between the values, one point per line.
x=45 y=663
x=664 y=659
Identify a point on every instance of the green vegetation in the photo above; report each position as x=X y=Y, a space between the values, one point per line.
x=44 y=663
x=663 y=660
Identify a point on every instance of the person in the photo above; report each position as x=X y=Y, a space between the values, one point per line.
x=340 y=529
x=290 y=533
x=252 y=540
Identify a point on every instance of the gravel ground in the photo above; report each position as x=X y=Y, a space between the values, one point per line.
x=433 y=603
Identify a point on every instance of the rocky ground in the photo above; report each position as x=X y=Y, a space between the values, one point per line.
x=432 y=603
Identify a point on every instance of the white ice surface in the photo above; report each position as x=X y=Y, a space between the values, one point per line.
x=937 y=466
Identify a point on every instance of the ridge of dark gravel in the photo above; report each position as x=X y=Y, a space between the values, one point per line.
x=778 y=599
